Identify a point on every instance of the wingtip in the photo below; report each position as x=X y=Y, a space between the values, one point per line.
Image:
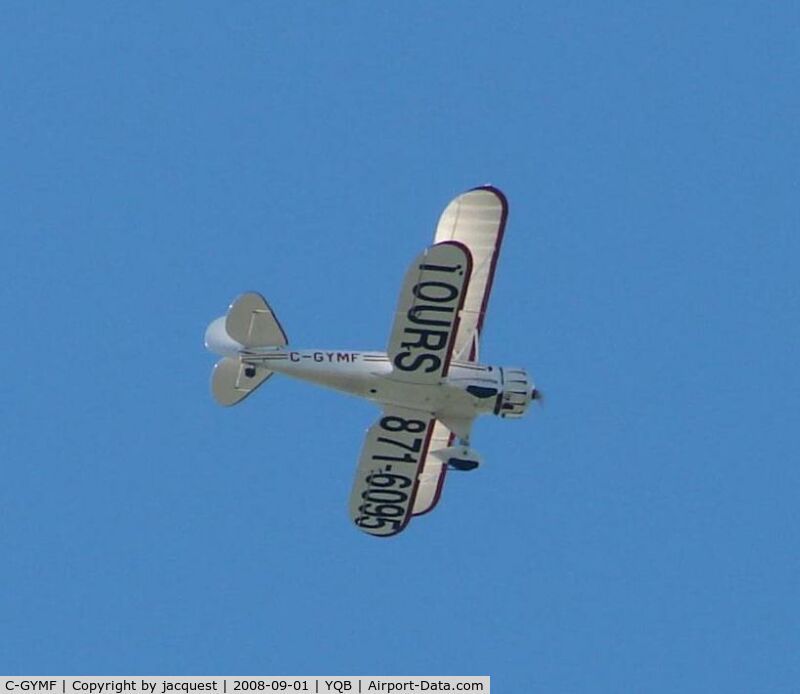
x=490 y=188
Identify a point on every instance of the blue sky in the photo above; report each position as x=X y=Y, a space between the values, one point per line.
x=637 y=534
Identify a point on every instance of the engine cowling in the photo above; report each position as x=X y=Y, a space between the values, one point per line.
x=516 y=393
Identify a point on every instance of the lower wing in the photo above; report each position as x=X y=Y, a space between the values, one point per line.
x=433 y=471
x=383 y=497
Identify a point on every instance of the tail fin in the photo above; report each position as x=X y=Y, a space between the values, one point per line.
x=252 y=323
x=233 y=380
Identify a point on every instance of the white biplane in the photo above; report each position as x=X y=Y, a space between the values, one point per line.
x=429 y=382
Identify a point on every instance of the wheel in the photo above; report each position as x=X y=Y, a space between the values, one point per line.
x=461 y=464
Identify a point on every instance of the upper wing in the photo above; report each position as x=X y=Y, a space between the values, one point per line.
x=477 y=220
x=382 y=499
x=427 y=318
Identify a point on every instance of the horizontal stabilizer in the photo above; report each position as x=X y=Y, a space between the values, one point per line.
x=233 y=380
x=251 y=322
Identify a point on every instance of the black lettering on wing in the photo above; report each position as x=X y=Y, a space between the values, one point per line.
x=440 y=268
x=438 y=292
x=415 y=315
x=432 y=340
x=401 y=361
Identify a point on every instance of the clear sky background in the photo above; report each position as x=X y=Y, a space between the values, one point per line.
x=639 y=533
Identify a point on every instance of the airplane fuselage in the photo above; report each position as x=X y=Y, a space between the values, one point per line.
x=468 y=390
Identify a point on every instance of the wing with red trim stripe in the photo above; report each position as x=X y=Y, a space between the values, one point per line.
x=382 y=499
x=427 y=317
x=433 y=471
x=477 y=220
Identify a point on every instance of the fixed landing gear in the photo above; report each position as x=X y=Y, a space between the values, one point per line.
x=462 y=464
x=461 y=457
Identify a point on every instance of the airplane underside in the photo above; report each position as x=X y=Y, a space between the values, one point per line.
x=429 y=383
